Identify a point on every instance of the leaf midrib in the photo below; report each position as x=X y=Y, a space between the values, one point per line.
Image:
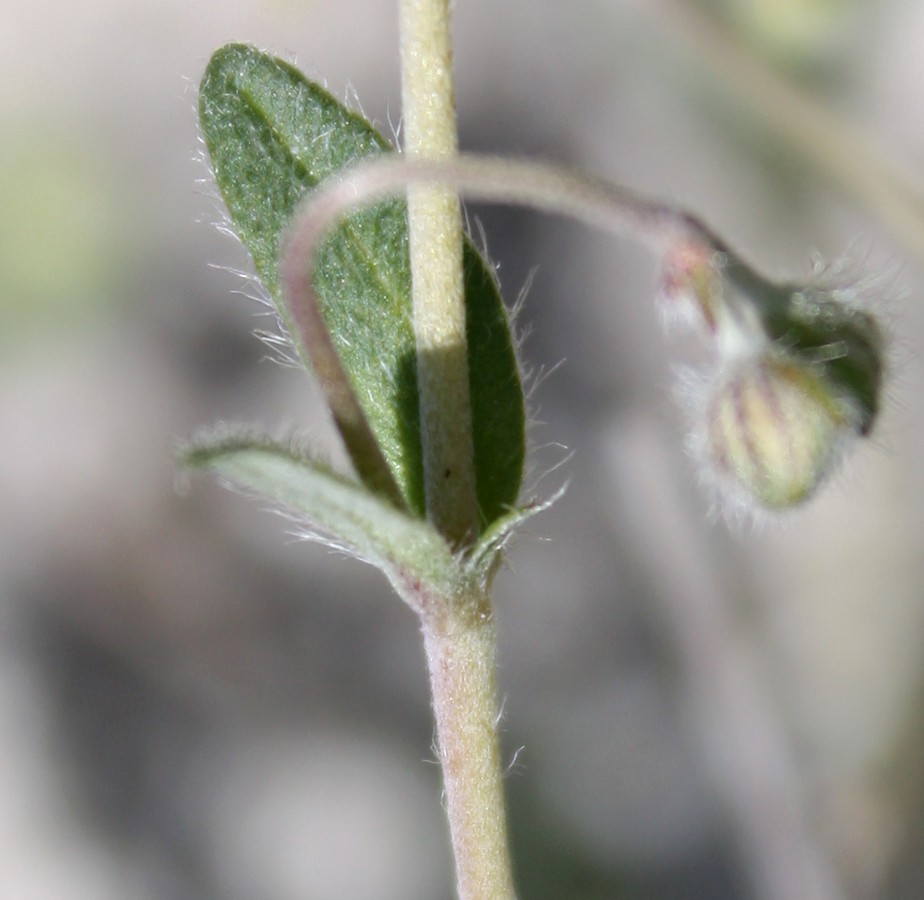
x=388 y=286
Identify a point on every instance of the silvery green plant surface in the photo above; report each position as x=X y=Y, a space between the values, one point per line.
x=313 y=191
x=271 y=137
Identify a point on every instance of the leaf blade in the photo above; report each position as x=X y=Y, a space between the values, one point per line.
x=359 y=521
x=272 y=135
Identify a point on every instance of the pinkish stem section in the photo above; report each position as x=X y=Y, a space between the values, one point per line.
x=460 y=657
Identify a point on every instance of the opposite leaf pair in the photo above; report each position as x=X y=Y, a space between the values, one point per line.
x=272 y=136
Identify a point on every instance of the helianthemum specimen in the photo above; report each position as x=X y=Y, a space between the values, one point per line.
x=797 y=373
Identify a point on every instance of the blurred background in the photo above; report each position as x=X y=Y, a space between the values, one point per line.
x=194 y=705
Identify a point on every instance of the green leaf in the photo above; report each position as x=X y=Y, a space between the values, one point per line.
x=404 y=547
x=486 y=554
x=272 y=135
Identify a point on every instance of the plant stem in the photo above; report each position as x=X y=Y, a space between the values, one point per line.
x=460 y=658
x=459 y=635
x=543 y=186
x=435 y=234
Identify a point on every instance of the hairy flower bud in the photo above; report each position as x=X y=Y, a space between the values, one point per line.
x=843 y=342
x=801 y=370
x=775 y=428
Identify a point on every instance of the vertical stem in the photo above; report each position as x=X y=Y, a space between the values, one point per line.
x=435 y=229
x=460 y=658
x=459 y=636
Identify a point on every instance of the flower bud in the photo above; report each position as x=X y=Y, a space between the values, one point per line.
x=775 y=427
x=818 y=327
x=801 y=369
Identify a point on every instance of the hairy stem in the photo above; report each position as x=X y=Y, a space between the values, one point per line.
x=459 y=638
x=460 y=658
x=544 y=186
x=438 y=298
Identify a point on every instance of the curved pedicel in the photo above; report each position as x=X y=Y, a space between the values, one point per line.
x=822 y=355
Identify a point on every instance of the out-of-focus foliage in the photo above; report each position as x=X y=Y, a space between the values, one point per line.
x=62 y=243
